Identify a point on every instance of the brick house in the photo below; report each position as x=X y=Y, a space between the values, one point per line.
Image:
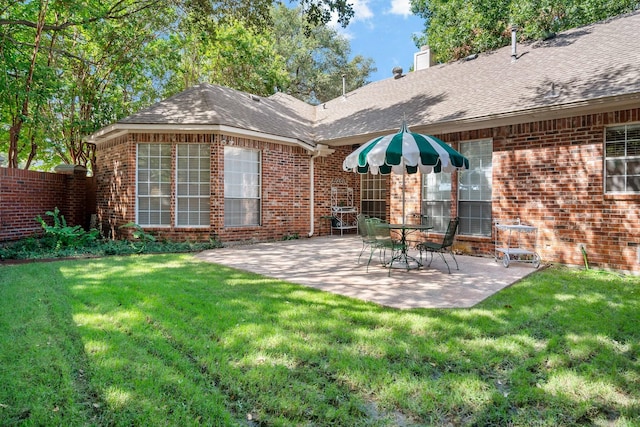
x=552 y=131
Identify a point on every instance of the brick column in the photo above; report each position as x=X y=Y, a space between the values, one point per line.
x=74 y=210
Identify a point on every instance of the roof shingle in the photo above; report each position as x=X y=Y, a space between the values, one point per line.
x=587 y=64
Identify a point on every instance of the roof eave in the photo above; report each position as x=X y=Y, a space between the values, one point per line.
x=591 y=106
x=118 y=129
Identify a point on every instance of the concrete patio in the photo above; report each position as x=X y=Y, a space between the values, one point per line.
x=330 y=264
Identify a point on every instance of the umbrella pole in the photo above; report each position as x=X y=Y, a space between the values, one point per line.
x=403 y=190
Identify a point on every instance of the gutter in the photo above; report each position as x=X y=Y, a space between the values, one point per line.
x=549 y=112
x=321 y=150
x=118 y=129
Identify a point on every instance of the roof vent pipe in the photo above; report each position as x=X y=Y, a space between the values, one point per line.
x=344 y=86
x=514 y=53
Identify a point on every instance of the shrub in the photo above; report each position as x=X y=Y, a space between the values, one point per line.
x=65 y=236
x=140 y=235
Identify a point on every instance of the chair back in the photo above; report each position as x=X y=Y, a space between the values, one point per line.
x=377 y=230
x=450 y=235
x=362 y=225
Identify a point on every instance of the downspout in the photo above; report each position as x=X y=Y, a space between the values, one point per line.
x=320 y=150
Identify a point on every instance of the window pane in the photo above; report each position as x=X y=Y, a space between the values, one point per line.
x=241 y=212
x=475 y=218
x=436 y=200
x=242 y=186
x=622 y=159
x=153 y=184
x=373 y=195
x=633 y=183
x=475 y=187
x=192 y=173
x=436 y=214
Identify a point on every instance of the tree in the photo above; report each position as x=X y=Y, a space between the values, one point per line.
x=457 y=28
x=235 y=56
x=207 y=14
x=316 y=59
x=69 y=67
x=61 y=62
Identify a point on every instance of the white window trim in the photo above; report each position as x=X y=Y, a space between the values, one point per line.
x=137 y=182
x=177 y=196
x=260 y=189
x=624 y=158
x=489 y=201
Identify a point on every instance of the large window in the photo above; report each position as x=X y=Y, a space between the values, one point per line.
x=193 y=185
x=474 y=189
x=242 y=187
x=622 y=159
x=373 y=195
x=154 y=185
x=436 y=200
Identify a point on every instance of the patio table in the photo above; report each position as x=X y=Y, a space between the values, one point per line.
x=403 y=259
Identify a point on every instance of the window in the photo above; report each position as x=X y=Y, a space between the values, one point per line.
x=154 y=185
x=622 y=159
x=474 y=189
x=241 y=187
x=373 y=195
x=436 y=200
x=193 y=185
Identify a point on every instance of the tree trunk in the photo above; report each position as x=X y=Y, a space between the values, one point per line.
x=19 y=119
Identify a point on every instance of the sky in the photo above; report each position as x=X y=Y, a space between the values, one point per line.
x=382 y=30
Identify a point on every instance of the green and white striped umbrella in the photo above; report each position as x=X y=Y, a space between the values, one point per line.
x=403 y=152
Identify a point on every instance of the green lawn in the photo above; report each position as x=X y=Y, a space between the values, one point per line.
x=170 y=340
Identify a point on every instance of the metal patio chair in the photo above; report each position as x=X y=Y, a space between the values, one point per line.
x=363 y=232
x=383 y=241
x=441 y=247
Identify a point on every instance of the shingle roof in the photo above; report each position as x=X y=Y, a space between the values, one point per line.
x=206 y=104
x=591 y=64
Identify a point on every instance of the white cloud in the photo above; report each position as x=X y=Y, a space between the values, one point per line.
x=400 y=7
x=362 y=10
x=363 y=15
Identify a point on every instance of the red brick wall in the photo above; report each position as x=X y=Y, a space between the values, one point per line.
x=115 y=180
x=547 y=173
x=25 y=194
x=285 y=189
x=328 y=169
x=550 y=174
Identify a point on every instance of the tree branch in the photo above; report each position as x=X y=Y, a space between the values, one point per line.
x=117 y=11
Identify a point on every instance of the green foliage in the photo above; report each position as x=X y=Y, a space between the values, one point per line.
x=68 y=68
x=316 y=58
x=236 y=56
x=140 y=235
x=170 y=340
x=64 y=236
x=457 y=28
x=46 y=247
x=294 y=236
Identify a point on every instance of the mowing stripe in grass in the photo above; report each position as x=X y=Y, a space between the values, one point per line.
x=169 y=340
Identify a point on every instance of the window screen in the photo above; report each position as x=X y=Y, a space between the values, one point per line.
x=242 y=187
x=474 y=189
x=154 y=185
x=622 y=159
x=436 y=200
x=193 y=185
